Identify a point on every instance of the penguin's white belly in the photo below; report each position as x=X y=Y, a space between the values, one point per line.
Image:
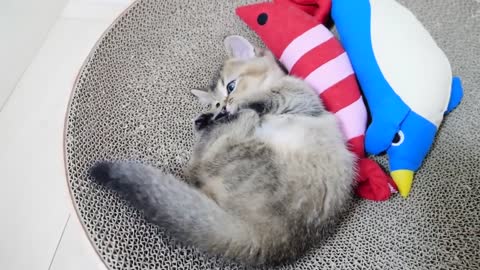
x=411 y=62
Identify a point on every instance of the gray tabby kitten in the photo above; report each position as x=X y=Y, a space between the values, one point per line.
x=269 y=171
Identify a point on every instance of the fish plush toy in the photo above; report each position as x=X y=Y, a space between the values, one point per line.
x=405 y=77
x=310 y=51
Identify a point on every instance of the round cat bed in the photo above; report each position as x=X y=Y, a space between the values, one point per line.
x=132 y=101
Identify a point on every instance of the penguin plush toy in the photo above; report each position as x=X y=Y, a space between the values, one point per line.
x=404 y=76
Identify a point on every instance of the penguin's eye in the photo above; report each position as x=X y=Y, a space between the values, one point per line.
x=231 y=86
x=398 y=139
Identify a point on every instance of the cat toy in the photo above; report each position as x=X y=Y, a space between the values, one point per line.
x=404 y=75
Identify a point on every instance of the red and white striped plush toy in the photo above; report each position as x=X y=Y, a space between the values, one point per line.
x=310 y=51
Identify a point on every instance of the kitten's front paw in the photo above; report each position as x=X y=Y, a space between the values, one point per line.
x=203 y=120
x=260 y=107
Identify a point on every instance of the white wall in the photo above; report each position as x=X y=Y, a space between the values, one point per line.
x=24 y=25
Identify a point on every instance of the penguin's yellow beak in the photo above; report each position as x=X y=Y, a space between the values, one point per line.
x=403 y=179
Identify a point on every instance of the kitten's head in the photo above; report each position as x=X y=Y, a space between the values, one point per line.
x=247 y=73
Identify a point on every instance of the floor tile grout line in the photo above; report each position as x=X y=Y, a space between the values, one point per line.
x=3 y=104
x=59 y=241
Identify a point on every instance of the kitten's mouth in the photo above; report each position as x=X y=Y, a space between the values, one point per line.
x=221 y=114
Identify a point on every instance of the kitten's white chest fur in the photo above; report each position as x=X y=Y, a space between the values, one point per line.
x=284 y=131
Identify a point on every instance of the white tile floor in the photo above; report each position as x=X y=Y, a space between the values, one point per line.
x=39 y=228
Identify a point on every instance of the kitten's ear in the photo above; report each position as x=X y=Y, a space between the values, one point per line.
x=239 y=47
x=203 y=96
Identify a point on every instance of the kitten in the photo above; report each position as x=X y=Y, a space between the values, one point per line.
x=269 y=171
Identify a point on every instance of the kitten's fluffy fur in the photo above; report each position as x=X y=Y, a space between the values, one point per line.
x=270 y=168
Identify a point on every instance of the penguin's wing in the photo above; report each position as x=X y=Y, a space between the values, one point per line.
x=456 y=94
x=386 y=122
